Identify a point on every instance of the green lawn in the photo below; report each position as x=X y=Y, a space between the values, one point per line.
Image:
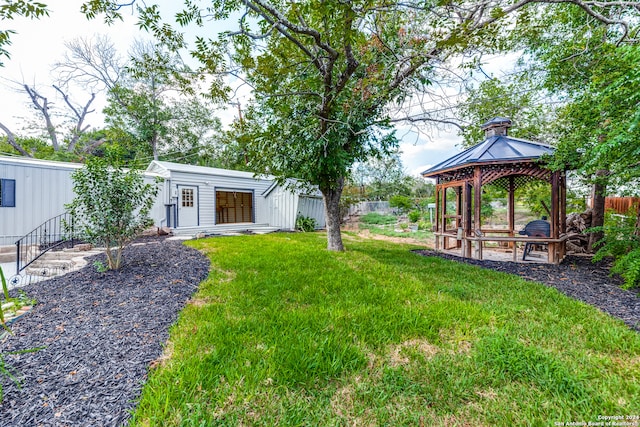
x=285 y=333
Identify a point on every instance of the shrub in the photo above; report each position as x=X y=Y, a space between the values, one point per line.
x=111 y=206
x=414 y=216
x=403 y=203
x=305 y=223
x=621 y=242
x=425 y=225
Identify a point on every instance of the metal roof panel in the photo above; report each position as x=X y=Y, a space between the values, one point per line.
x=495 y=148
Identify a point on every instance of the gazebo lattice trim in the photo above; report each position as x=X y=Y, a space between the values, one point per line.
x=523 y=173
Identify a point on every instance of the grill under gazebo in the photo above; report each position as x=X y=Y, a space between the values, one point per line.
x=506 y=162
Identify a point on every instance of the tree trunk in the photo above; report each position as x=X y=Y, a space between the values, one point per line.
x=153 y=142
x=597 y=219
x=331 y=197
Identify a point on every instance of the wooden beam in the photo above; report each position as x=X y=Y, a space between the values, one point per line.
x=437 y=223
x=511 y=216
x=459 y=211
x=477 y=211
x=477 y=189
x=555 y=217
x=563 y=214
x=467 y=218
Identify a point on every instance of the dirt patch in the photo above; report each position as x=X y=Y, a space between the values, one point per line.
x=366 y=234
x=397 y=358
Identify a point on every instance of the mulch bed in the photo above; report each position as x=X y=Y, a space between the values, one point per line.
x=99 y=333
x=576 y=277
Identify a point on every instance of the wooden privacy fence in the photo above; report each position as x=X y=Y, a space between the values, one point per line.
x=621 y=205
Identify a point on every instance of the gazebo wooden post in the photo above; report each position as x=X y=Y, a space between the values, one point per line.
x=511 y=209
x=555 y=217
x=511 y=206
x=443 y=217
x=466 y=218
x=459 y=205
x=438 y=215
x=477 y=190
x=563 y=212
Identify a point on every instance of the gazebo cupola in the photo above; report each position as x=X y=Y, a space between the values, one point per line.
x=500 y=160
x=497 y=126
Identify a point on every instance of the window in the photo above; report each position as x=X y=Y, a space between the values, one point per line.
x=7 y=193
x=187 y=198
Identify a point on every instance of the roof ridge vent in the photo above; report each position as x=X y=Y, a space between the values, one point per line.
x=498 y=126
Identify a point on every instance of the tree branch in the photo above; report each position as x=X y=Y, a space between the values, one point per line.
x=80 y=116
x=352 y=62
x=44 y=109
x=426 y=118
x=281 y=19
x=11 y=138
x=282 y=30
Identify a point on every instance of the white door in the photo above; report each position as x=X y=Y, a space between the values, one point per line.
x=187 y=206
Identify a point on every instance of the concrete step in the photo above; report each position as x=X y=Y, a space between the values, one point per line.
x=7 y=254
x=44 y=272
x=60 y=255
x=63 y=261
x=52 y=263
x=7 y=249
x=50 y=267
x=7 y=257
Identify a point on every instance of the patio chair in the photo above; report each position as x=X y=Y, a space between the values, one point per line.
x=537 y=228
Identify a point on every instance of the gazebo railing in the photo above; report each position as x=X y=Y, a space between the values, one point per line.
x=556 y=246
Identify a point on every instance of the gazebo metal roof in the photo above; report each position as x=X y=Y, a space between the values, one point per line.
x=495 y=149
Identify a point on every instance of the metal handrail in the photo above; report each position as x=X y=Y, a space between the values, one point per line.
x=52 y=233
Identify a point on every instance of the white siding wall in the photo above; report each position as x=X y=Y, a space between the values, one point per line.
x=41 y=193
x=207 y=186
x=313 y=207
x=282 y=208
x=158 y=210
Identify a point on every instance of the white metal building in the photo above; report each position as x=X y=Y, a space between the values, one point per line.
x=31 y=192
x=192 y=199
x=203 y=199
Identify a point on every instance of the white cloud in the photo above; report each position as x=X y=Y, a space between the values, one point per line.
x=420 y=152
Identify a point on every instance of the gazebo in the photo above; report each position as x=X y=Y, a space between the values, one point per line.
x=506 y=162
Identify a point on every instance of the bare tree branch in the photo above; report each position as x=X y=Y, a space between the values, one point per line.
x=11 y=138
x=80 y=116
x=42 y=104
x=93 y=63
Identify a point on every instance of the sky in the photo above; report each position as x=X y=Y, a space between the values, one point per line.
x=38 y=44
